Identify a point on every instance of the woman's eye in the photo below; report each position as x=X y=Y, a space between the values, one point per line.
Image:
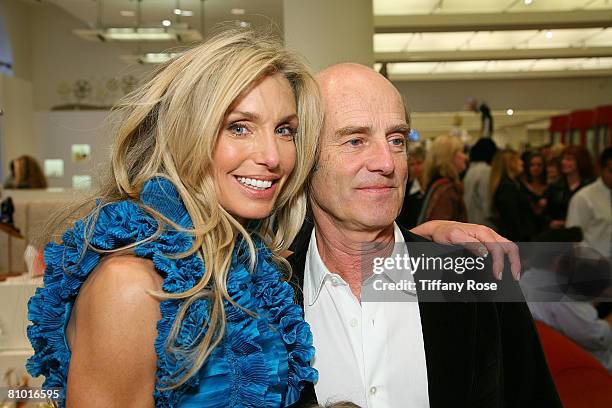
x=238 y=129
x=286 y=131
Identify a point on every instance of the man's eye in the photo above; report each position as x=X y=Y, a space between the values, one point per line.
x=398 y=141
x=354 y=142
x=238 y=129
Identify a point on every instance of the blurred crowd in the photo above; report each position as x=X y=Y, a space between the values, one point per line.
x=551 y=194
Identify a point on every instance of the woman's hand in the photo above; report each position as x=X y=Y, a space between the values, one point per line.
x=479 y=239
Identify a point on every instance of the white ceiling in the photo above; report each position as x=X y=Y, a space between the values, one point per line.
x=420 y=43
x=403 y=7
x=108 y=12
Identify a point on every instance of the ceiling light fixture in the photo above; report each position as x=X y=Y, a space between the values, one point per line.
x=237 y=11
x=549 y=34
x=178 y=31
x=527 y=2
x=127 y=13
x=509 y=111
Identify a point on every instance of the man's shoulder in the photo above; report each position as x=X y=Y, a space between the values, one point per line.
x=411 y=237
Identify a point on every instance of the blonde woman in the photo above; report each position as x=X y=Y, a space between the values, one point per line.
x=444 y=198
x=169 y=293
x=512 y=212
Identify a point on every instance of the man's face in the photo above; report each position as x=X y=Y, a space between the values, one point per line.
x=363 y=166
x=606 y=174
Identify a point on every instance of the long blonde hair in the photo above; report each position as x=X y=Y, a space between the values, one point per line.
x=440 y=158
x=500 y=168
x=169 y=127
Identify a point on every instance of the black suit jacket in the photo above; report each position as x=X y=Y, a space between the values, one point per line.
x=478 y=354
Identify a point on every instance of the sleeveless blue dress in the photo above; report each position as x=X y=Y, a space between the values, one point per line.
x=262 y=361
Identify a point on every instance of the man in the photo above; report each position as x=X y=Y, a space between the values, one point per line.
x=486 y=119
x=394 y=354
x=591 y=208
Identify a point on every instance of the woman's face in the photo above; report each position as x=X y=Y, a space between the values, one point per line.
x=255 y=151
x=536 y=166
x=517 y=166
x=459 y=160
x=568 y=164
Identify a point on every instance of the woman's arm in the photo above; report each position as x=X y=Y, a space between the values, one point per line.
x=479 y=239
x=112 y=334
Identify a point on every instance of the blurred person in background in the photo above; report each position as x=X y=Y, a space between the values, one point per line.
x=560 y=284
x=553 y=170
x=413 y=198
x=476 y=182
x=444 y=198
x=534 y=183
x=576 y=172
x=591 y=210
x=486 y=119
x=26 y=173
x=510 y=206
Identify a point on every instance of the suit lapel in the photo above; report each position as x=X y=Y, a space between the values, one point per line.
x=448 y=335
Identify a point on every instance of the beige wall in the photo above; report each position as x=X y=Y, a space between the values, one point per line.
x=17 y=22
x=525 y=94
x=16 y=125
x=327 y=32
x=60 y=58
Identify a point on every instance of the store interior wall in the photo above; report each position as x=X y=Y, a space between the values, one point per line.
x=47 y=56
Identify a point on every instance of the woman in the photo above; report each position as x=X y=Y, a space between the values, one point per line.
x=176 y=271
x=444 y=198
x=219 y=139
x=510 y=206
x=576 y=172
x=476 y=182
x=534 y=183
x=414 y=194
x=26 y=173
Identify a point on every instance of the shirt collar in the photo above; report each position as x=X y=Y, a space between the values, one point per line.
x=316 y=272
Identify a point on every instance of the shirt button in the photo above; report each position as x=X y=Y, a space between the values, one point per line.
x=372 y=390
x=354 y=322
x=335 y=281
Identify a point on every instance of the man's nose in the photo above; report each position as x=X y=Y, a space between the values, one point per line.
x=266 y=150
x=381 y=158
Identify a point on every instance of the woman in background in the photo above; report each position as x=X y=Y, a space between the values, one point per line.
x=476 y=182
x=26 y=173
x=444 y=198
x=510 y=206
x=534 y=183
x=576 y=172
x=414 y=194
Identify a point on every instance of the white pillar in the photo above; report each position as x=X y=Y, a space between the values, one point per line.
x=327 y=32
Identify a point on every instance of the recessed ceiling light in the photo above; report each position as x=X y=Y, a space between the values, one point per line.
x=244 y=24
x=177 y=12
x=549 y=34
x=237 y=11
x=127 y=13
x=166 y=23
x=509 y=111
x=527 y=2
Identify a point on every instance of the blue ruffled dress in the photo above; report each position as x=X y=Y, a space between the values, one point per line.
x=262 y=361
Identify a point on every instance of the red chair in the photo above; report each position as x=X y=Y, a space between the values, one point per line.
x=581 y=380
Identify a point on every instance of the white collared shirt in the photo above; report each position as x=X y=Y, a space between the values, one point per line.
x=369 y=353
x=590 y=209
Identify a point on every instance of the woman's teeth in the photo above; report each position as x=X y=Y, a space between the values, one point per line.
x=254 y=183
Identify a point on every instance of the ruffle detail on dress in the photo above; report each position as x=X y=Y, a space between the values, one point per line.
x=263 y=360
